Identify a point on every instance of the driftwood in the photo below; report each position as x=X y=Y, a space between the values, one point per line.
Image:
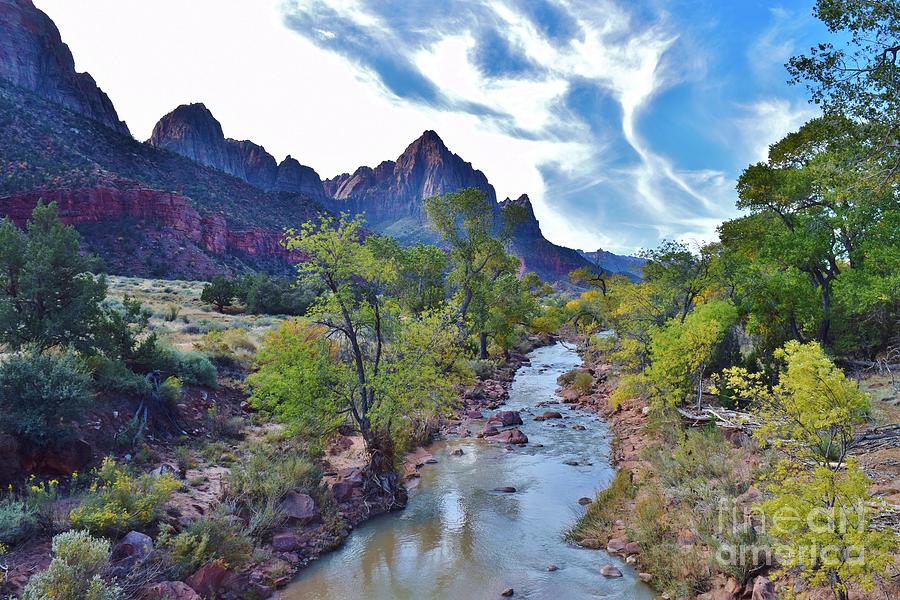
x=725 y=418
x=879 y=438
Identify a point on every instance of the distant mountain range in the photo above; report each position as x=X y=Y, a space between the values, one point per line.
x=191 y=203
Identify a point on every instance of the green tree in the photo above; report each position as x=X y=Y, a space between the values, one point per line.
x=818 y=504
x=682 y=352
x=48 y=297
x=378 y=380
x=477 y=236
x=219 y=292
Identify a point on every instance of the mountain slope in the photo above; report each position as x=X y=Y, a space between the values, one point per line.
x=193 y=132
x=33 y=56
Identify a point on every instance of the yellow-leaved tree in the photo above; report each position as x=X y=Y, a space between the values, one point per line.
x=817 y=507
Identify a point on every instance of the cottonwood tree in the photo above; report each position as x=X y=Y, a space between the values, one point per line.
x=818 y=506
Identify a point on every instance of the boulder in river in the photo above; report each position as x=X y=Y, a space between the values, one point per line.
x=507 y=489
x=584 y=501
x=616 y=545
x=505 y=418
x=507 y=592
x=510 y=436
x=552 y=414
x=610 y=571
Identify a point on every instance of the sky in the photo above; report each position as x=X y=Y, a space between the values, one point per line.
x=625 y=121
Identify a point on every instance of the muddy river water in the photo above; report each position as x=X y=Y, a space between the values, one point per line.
x=459 y=539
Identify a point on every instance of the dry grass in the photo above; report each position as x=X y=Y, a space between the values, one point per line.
x=194 y=317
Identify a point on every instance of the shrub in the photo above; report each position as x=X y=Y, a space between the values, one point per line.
x=606 y=508
x=113 y=375
x=74 y=572
x=185 y=460
x=118 y=502
x=261 y=480
x=17 y=521
x=171 y=313
x=216 y=538
x=229 y=348
x=223 y=426
x=482 y=369
x=170 y=389
x=583 y=382
x=219 y=292
x=40 y=394
x=194 y=368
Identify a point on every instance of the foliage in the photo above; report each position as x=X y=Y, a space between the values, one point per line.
x=170 y=389
x=17 y=520
x=367 y=331
x=74 y=572
x=220 y=292
x=682 y=351
x=219 y=537
x=118 y=502
x=819 y=500
x=582 y=381
x=607 y=507
x=40 y=394
x=47 y=295
x=229 y=348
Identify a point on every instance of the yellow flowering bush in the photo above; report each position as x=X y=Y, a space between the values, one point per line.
x=118 y=502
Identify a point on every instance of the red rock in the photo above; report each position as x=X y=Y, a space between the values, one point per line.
x=510 y=436
x=207 y=580
x=632 y=548
x=286 y=542
x=616 y=545
x=763 y=589
x=504 y=418
x=645 y=577
x=610 y=571
x=343 y=490
x=170 y=590
x=299 y=508
x=552 y=414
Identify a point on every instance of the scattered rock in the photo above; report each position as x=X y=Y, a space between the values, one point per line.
x=506 y=418
x=632 y=548
x=474 y=414
x=507 y=592
x=578 y=427
x=631 y=559
x=508 y=489
x=763 y=589
x=571 y=463
x=552 y=414
x=170 y=590
x=645 y=577
x=457 y=452
x=510 y=436
x=584 y=501
x=592 y=543
x=286 y=542
x=299 y=508
x=610 y=571
x=616 y=545
x=207 y=580
x=130 y=552
x=751 y=496
x=552 y=568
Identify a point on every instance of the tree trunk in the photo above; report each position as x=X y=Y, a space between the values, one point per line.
x=483 y=345
x=825 y=326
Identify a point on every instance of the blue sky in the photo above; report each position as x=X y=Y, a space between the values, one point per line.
x=625 y=121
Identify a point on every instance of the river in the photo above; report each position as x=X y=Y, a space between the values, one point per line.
x=459 y=539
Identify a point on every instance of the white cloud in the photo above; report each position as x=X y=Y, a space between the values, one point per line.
x=767 y=121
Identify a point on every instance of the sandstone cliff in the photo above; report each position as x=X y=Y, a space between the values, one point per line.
x=33 y=56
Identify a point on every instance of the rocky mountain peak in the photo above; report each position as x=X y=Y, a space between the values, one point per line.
x=192 y=131
x=33 y=56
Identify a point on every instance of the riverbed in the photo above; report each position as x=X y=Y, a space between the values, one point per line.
x=460 y=539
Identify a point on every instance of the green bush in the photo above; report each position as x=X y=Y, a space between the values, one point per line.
x=74 y=572
x=194 y=368
x=482 y=369
x=41 y=394
x=17 y=521
x=219 y=538
x=229 y=348
x=112 y=375
x=260 y=481
x=582 y=382
x=118 y=502
x=170 y=389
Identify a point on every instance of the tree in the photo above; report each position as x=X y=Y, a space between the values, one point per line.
x=48 y=297
x=219 y=292
x=477 y=236
x=818 y=501
x=379 y=378
x=682 y=351
x=678 y=275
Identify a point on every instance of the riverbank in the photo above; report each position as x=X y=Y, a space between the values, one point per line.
x=671 y=492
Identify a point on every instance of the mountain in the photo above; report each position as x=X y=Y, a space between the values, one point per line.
x=616 y=263
x=193 y=132
x=34 y=57
x=551 y=262
x=390 y=195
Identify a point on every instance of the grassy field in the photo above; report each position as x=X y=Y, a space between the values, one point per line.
x=179 y=316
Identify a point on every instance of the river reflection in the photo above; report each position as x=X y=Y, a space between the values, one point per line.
x=458 y=539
